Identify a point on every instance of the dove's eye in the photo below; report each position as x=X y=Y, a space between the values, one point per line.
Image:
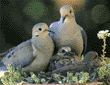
x=70 y=11
x=40 y=29
x=63 y=51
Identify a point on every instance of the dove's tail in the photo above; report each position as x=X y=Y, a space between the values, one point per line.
x=3 y=54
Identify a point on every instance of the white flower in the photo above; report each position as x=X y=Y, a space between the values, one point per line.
x=108 y=34
x=106 y=31
x=101 y=32
x=100 y=36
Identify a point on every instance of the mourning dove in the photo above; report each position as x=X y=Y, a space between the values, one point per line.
x=92 y=60
x=68 y=32
x=63 y=57
x=90 y=56
x=34 y=54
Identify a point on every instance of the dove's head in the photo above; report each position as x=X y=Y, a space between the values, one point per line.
x=66 y=12
x=90 y=56
x=65 y=51
x=92 y=53
x=40 y=29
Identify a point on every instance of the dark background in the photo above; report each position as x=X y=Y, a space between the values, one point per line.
x=17 y=17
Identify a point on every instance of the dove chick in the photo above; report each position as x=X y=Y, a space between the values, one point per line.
x=34 y=54
x=92 y=60
x=68 y=32
x=90 y=56
x=63 y=57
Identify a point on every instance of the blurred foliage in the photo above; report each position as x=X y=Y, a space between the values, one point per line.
x=15 y=75
x=100 y=14
x=35 y=10
x=104 y=72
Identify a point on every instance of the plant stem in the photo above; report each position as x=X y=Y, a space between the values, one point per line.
x=104 y=47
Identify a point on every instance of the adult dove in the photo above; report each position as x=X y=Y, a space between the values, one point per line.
x=34 y=54
x=68 y=32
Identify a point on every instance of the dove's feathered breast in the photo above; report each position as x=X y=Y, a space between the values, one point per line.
x=43 y=49
x=69 y=34
x=46 y=43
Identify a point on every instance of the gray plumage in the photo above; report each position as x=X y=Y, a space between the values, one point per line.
x=90 y=56
x=92 y=60
x=34 y=54
x=68 y=32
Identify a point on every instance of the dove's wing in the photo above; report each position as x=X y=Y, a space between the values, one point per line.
x=84 y=36
x=21 y=55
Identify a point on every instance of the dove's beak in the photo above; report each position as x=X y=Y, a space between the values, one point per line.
x=63 y=19
x=51 y=31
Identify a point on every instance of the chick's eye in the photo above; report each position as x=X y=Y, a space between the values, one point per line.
x=70 y=11
x=40 y=29
x=63 y=51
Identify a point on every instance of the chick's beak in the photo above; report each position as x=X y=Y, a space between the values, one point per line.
x=70 y=54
